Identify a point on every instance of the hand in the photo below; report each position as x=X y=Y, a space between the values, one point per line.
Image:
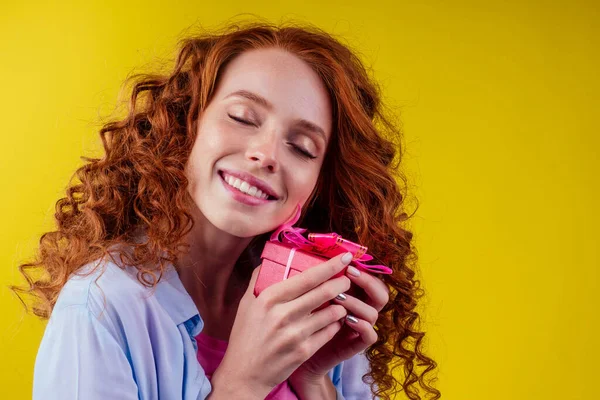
x=274 y=333
x=353 y=337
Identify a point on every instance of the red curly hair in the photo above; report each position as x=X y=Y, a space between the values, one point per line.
x=140 y=183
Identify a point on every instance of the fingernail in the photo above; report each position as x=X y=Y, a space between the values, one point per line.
x=341 y=297
x=346 y=258
x=353 y=271
x=351 y=319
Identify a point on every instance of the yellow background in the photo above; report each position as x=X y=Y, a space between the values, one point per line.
x=500 y=109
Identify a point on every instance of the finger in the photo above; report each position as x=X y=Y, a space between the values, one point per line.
x=367 y=334
x=253 y=279
x=323 y=318
x=297 y=285
x=319 y=338
x=353 y=341
x=376 y=290
x=358 y=308
x=316 y=297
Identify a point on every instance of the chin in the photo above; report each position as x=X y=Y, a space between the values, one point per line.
x=236 y=222
x=242 y=231
x=242 y=226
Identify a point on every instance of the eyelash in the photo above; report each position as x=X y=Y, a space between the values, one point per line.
x=298 y=149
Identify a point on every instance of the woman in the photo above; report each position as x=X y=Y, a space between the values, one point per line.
x=148 y=280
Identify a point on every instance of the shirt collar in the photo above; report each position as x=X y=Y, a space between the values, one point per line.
x=173 y=297
x=176 y=301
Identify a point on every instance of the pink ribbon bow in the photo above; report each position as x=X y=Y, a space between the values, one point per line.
x=325 y=244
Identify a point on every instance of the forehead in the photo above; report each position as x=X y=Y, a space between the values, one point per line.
x=291 y=85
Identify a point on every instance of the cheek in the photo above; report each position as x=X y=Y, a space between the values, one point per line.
x=303 y=186
x=212 y=142
x=220 y=139
x=199 y=164
x=209 y=140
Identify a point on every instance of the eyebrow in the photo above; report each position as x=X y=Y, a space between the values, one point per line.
x=309 y=126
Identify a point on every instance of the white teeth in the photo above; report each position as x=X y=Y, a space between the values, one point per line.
x=245 y=187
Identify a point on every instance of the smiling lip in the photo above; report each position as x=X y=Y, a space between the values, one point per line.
x=262 y=185
x=243 y=197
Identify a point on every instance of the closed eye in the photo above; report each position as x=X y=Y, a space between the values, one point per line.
x=241 y=121
x=301 y=151
x=297 y=149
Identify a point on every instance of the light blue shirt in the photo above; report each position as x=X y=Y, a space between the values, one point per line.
x=109 y=337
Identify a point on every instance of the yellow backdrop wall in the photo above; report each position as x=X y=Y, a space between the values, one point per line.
x=499 y=103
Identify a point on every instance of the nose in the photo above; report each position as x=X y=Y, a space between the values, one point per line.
x=263 y=151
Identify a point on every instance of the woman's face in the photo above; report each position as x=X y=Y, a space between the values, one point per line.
x=265 y=132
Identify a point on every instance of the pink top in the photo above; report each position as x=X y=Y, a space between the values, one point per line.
x=210 y=354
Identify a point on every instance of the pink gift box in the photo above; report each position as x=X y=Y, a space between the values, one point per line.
x=275 y=259
x=292 y=254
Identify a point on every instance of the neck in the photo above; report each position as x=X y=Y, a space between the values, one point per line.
x=207 y=270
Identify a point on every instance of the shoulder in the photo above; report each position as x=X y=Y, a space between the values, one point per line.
x=80 y=340
x=98 y=278
x=107 y=292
